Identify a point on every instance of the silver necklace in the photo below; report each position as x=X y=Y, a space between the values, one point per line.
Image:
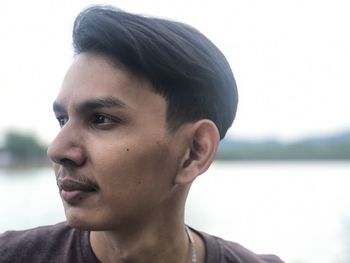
x=192 y=247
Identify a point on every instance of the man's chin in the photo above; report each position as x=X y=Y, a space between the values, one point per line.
x=85 y=224
x=78 y=220
x=79 y=224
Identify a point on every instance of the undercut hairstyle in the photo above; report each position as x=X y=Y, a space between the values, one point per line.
x=182 y=65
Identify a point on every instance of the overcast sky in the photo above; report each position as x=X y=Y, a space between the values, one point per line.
x=290 y=59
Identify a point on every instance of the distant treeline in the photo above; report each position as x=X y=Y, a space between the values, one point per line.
x=335 y=147
x=22 y=149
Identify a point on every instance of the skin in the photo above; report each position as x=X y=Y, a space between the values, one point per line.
x=114 y=136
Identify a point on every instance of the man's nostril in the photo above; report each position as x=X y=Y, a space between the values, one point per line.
x=67 y=162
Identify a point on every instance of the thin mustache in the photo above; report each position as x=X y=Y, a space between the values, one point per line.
x=80 y=179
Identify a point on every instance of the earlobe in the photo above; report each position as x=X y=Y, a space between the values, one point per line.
x=203 y=143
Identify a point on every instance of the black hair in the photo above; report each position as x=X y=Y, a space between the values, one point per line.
x=182 y=65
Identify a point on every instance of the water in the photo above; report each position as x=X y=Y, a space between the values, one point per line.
x=300 y=211
x=28 y=199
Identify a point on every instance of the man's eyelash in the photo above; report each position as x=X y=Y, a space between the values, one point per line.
x=62 y=120
x=104 y=119
x=97 y=117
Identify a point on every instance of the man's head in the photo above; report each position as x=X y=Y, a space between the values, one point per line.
x=182 y=65
x=141 y=110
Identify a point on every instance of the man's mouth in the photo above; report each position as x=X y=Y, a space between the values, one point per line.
x=73 y=191
x=68 y=184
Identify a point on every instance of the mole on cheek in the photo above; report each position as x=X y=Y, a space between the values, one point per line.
x=127 y=149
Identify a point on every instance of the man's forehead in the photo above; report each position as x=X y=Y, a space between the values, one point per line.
x=89 y=81
x=93 y=64
x=92 y=103
x=91 y=72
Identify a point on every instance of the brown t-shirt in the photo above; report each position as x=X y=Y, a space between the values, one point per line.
x=63 y=244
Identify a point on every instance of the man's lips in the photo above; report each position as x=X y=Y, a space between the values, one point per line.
x=73 y=191
x=68 y=185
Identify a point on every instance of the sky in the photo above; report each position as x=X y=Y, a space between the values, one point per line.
x=290 y=60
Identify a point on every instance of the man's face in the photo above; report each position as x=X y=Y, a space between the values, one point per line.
x=114 y=159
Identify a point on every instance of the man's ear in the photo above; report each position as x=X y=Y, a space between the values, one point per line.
x=203 y=143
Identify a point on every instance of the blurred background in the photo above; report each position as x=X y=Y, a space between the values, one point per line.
x=281 y=182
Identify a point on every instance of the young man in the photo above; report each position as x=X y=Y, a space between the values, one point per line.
x=142 y=110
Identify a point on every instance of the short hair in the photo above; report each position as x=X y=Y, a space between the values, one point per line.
x=182 y=65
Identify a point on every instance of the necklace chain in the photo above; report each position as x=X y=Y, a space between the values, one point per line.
x=192 y=247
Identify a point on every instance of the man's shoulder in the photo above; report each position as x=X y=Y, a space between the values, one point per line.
x=38 y=244
x=224 y=251
x=39 y=234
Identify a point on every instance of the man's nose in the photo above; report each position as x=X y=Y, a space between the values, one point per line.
x=66 y=148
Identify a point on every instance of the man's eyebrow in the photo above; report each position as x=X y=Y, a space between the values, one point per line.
x=93 y=104
x=104 y=102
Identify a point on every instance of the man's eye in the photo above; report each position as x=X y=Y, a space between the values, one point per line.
x=62 y=120
x=102 y=119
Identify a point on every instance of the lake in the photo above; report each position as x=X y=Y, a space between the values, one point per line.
x=299 y=211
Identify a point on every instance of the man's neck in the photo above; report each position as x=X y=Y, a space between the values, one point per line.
x=157 y=237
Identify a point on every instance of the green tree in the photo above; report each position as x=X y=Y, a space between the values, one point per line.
x=23 y=146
